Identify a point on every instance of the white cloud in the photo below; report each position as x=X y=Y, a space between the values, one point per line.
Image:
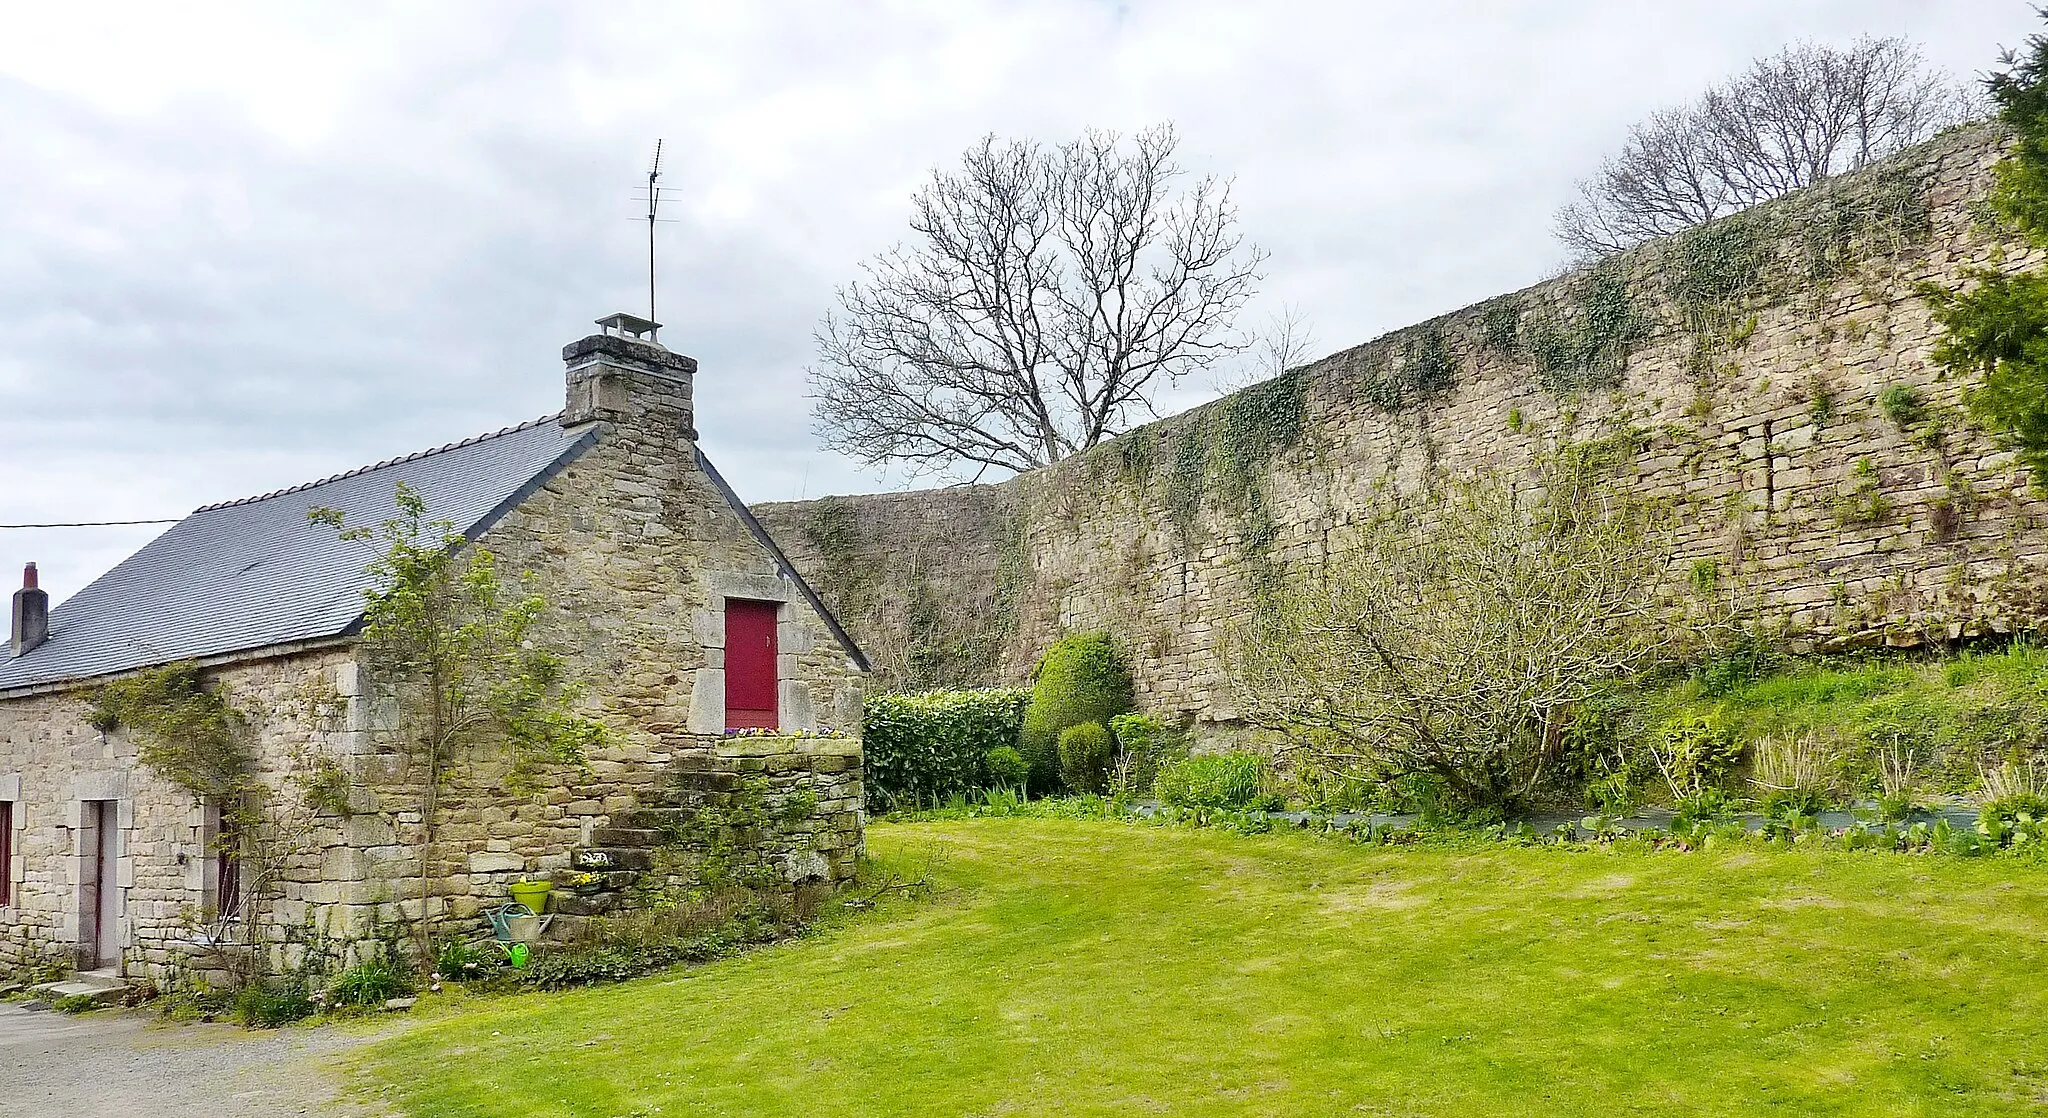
x=246 y=246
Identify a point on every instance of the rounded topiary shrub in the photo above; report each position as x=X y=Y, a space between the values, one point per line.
x=1080 y=679
x=1007 y=768
x=1085 y=755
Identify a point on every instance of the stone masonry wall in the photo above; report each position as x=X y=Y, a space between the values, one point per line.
x=636 y=550
x=1751 y=360
x=57 y=760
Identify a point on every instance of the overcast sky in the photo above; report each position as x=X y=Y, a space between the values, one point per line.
x=247 y=247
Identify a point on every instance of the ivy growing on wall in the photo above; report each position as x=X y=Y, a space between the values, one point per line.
x=1716 y=269
x=185 y=731
x=832 y=528
x=1845 y=223
x=1255 y=423
x=1427 y=368
x=1186 y=480
x=1588 y=345
x=1223 y=453
x=1500 y=328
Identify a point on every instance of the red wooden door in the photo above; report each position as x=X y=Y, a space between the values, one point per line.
x=750 y=664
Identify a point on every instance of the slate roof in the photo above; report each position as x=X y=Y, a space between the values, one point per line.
x=255 y=573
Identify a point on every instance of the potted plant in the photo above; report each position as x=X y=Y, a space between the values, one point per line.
x=586 y=884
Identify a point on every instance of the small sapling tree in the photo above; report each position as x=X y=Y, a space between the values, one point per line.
x=1455 y=640
x=462 y=658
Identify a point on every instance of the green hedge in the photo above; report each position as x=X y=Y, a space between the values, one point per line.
x=923 y=747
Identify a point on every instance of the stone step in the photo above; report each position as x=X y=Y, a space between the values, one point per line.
x=97 y=988
x=618 y=858
x=628 y=836
x=567 y=928
x=580 y=904
x=652 y=818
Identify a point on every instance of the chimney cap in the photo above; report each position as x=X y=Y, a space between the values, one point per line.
x=623 y=325
x=28 y=577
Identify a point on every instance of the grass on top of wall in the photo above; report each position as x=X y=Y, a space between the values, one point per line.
x=1082 y=968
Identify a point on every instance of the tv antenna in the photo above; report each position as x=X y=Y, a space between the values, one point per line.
x=654 y=199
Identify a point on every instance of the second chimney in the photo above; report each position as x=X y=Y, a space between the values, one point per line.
x=31 y=613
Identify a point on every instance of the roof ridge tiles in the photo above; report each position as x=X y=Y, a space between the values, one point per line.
x=413 y=457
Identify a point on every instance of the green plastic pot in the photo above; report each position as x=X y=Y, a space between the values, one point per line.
x=532 y=894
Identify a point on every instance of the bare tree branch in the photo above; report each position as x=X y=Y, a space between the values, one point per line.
x=1045 y=294
x=1787 y=122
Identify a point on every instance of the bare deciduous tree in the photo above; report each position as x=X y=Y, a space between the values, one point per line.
x=1787 y=122
x=1047 y=292
x=1285 y=343
x=1456 y=639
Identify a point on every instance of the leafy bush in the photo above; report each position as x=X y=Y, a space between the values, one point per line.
x=1085 y=754
x=586 y=966
x=1740 y=666
x=1703 y=808
x=373 y=982
x=460 y=961
x=621 y=947
x=1902 y=404
x=271 y=1005
x=1695 y=751
x=1214 y=780
x=921 y=748
x=1144 y=742
x=1007 y=768
x=1081 y=679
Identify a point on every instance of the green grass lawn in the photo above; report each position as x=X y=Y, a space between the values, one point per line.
x=1076 y=967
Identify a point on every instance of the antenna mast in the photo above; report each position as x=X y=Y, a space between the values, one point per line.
x=653 y=205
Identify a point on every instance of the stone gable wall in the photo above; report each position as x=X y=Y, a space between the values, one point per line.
x=1754 y=406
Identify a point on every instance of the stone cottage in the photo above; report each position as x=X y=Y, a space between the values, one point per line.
x=673 y=605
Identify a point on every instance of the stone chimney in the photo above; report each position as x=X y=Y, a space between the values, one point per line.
x=622 y=375
x=31 y=613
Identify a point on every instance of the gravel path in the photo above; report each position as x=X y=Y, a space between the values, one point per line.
x=129 y=1064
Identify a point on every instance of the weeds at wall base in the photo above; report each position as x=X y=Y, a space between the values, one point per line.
x=2020 y=836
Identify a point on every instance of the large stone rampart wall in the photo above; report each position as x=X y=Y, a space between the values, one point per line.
x=1739 y=370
